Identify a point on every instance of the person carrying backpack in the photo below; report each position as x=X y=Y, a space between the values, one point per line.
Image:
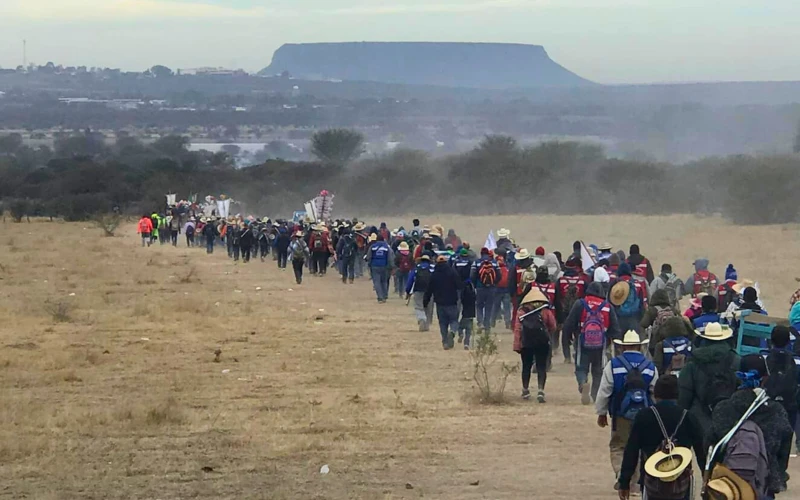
x=669 y=282
x=743 y=450
x=590 y=324
x=629 y=297
x=418 y=280
x=381 y=263
x=570 y=288
x=702 y=281
x=710 y=375
x=502 y=297
x=403 y=263
x=298 y=249
x=662 y=428
x=784 y=373
x=640 y=266
x=625 y=391
x=466 y=323
x=658 y=311
x=532 y=330
x=485 y=275
x=673 y=347
x=347 y=252
x=726 y=292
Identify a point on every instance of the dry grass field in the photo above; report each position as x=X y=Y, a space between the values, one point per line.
x=111 y=389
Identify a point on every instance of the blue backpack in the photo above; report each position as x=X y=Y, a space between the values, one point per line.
x=635 y=392
x=677 y=351
x=632 y=304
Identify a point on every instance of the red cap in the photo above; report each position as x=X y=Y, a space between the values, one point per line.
x=484 y=251
x=539 y=251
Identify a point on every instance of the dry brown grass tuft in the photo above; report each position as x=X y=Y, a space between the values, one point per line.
x=165 y=413
x=59 y=309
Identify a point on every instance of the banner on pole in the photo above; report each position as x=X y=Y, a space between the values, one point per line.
x=171 y=199
x=490 y=243
x=587 y=260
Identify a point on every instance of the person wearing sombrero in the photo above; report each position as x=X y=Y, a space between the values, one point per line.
x=300 y=254
x=504 y=243
x=381 y=265
x=532 y=331
x=647 y=437
x=630 y=299
x=625 y=391
x=710 y=373
x=771 y=418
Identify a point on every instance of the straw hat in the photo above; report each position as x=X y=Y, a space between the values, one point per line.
x=535 y=295
x=715 y=331
x=727 y=485
x=522 y=254
x=668 y=466
x=425 y=257
x=203 y=220
x=632 y=338
x=403 y=246
x=317 y=227
x=299 y=234
x=265 y=220
x=606 y=246
x=372 y=237
x=503 y=233
x=360 y=226
x=435 y=232
x=742 y=284
x=619 y=293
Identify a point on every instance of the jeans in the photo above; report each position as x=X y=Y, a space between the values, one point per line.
x=347 y=266
x=235 y=252
x=297 y=265
x=145 y=239
x=587 y=362
x=246 y=253
x=465 y=327
x=502 y=304
x=319 y=264
x=400 y=281
x=448 y=323
x=423 y=313
x=484 y=301
x=539 y=354
x=283 y=256
x=210 y=245
x=360 y=264
x=380 y=278
x=174 y=235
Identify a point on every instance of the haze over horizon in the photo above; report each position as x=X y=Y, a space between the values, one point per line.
x=607 y=41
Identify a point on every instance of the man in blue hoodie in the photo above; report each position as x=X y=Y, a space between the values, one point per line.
x=381 y=260
x=485 y=275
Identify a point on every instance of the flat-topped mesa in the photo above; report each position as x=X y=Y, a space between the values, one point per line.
x=475 y=65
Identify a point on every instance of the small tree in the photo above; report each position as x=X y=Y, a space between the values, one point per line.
x=19 y=208
x=108 y=223
x=338 y=145
x=489 y=376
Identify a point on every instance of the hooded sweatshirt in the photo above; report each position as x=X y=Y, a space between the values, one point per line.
x=659 y=301
x=553 y=267
x=572 y=325
x=699 y=265
x=694 y=378
x=771 y=418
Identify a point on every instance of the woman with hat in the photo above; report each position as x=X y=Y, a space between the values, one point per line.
x=403 y=263
x=646 y=438
x=534 y=325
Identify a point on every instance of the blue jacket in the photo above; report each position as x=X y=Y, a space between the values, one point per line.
x=444 y=286
x=474 y=273
x=619 y=372
x=673 y=346
x=380 y=254
x=700 y=322
x=463 y=267
x=412 y=276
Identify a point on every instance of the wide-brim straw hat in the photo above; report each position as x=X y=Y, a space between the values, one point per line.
x=425 y=257
x=522 y=254
x=668 y=466
x=372 y=237
x=360 y=226
x=435 y=232
x=631 y=338
x=726 y=484
x=619 y=293
x=403 y=246
x=299 y=234
x=742 y=284
x=716 y=331
x=606 y=246
x=535 y=295
x=503 y=233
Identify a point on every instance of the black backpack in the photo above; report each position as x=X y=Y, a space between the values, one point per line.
x=534 y=332
x=721 y=383
x=422 y=278
x=348 y=246
x=781 y=385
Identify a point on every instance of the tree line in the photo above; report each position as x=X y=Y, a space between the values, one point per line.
x=83 y=176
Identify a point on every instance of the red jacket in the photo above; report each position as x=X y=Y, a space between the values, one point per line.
x=564 y=298
x=323 y=238
x=594 y=302
x=549 y=290
x=145 y=225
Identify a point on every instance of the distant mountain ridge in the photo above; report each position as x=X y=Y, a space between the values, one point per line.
x=471 y=65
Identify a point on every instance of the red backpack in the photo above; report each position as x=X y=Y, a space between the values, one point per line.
x=406 y=263
x=503 y=283
x=704 y=282
x=486 y=273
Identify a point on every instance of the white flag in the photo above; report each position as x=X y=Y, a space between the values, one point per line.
x=586 y=258
x=171 y=200
x=227 y=205
x=311 y=211
x=491 y=244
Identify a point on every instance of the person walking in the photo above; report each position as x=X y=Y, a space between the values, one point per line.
x=570 y=288
x=485 y=275
x=210 y=233
x=670 y=283
x=590 y=324
x=418 y=281
x=534 y=325
x=174 y=229
x=347 y=253
x=380 y=259
x=145 y=229
x=403 y=263
x=629 y=297
x=263 y=240
x=247 y=240
x=298 y=248
x=502 y=297
x=282 y=242
x=625 y=391
x=443 y=290
x=640 y=266
x=466 y=324
x=189 y=230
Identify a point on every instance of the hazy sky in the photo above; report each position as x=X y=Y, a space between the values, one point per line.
x=608 y=41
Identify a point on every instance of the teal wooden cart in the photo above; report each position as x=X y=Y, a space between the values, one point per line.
x=757 y=326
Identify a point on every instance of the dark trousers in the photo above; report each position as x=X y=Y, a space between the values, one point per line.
x=589 y=362
x=235 y=249
x=189 y=240
x=298 y=265
x=210 y=244
x=283 y=256
x=539 y=355
x=566 y=342
x=264 y=247
x=174 y=235
x=246 y=253
x=319 y=262
x=348 y=268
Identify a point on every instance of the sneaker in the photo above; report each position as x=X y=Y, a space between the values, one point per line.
x=540 y=397
x=423 y=327
x=460 y=338
x=526 y=394
x=446 y=347
x=586 y=394
x=567 y=361
x=466 y=347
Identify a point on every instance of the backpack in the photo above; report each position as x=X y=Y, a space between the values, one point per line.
x=721 y=383
x=635 y=396
x=746 y=455
x=534 y=332
x=299 y=250
x=318 y=244
x=486 y=273
x=781 y=386
x=571 y=295
x=681 y=351
x=663 y=314
x=632 y=304
x=593 y=331
x=405 y=264
x=671 y=287
x=704 y=282
x=348 y=246
x=422 y=278
x=677 y=488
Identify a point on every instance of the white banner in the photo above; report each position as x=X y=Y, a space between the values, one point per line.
x=311 y=212
x=490 y=243
x=171 y=200
x=586 y=258
x=223 y=208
